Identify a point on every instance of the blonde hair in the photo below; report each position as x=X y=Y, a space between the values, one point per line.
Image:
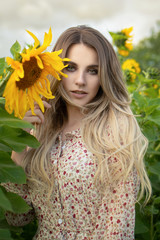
x=108 y=121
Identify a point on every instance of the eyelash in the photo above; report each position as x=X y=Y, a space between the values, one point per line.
x=70 y=68
x=92 y=71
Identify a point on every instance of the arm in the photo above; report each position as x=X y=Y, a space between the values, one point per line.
x=116 y=218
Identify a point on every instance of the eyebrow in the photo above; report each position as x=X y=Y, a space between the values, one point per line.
x=92 y=65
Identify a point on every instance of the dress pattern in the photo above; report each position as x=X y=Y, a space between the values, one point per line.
x=76 y=210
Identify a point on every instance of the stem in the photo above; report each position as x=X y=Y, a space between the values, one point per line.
x=157 y=148
x=151 y=232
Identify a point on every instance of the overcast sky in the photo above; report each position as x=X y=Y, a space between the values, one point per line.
x=104 y=15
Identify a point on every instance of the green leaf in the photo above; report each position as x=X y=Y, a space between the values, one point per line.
x=4 y=147
x=154 y=101
x=17 y=139
x=5 y=234
x=9 y=171
x=2 y=214
x=13 y=202
x=140 y=227
x=4 y=202
x=18 y=204
x=10 y=120
x=155 y=168
x=155 y=117
x=157 y=225
x=2 y=65
x=2 y=100
x=4 y=225
x=141 y=100
x=151 y=209
x=151 y=131
x=4 y=82
x=157 y=200
x=16 y=48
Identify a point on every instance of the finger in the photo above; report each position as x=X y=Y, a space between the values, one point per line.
x=33 y=119
x=38 y=118
x=46 y=105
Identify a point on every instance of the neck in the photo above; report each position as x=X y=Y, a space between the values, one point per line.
x=74 y=119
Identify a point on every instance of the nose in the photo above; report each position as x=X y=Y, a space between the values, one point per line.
x=80 y=78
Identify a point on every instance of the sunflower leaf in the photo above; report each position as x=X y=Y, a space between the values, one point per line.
x=17 y=139
x=2 y=100
x=2 y=65
x=15 y=50
x=4 y=202
x=14 y=202
x=5 y=234
x=10 y=172
x=10 y=120
x=4 y=147
x=3 y=82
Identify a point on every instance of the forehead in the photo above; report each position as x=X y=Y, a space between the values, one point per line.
x=83 y=52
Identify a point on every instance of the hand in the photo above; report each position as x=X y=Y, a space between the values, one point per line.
x=38 y=118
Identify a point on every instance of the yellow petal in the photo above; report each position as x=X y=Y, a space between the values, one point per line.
x=39 y=62
x=31 y=100
x=23 y=102
x=46 y=43
x=37 y=98
x=43 y=91
x=36 y=41
x=16 y=65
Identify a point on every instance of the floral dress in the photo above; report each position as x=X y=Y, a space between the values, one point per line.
x=76 y=210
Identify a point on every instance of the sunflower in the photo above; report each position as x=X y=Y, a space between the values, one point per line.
x=123 y=53
x=127 y=32
x=126 y=46
x=28 y=82
x=131 y=68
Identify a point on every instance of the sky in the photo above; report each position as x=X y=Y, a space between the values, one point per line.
x=38 y=16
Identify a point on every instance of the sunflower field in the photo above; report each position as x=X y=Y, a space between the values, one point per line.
x=141 y=69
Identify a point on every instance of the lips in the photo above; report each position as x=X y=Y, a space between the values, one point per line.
x=79 y=92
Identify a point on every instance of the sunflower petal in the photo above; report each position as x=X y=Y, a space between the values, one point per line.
x=37 y=98
x=16 y=65
x=23 y=105
x=36 y=41
x=43 y=92
x=31 y=100
x=39 y=62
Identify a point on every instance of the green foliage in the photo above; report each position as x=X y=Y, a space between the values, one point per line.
x=147 y=51
x=9 y=171
x=148 y=110
x=4 y=76
x=12 y=137
x=15 y=51
x=145 y=94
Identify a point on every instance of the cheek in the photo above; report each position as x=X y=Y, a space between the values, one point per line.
x=96 y=87
x=64 y=82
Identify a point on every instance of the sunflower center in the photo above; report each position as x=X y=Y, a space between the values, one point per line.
x=31 y=74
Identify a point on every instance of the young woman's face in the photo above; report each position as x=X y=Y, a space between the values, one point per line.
x=82 y=83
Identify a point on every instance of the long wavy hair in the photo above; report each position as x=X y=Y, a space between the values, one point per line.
x=107 y=120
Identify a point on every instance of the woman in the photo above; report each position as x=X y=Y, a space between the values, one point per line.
x=84 y=179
